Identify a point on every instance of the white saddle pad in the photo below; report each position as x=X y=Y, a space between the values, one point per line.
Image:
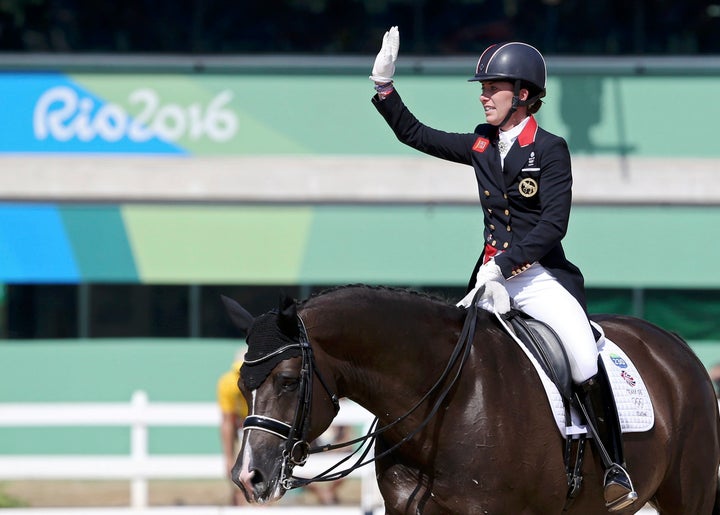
x=633 y=402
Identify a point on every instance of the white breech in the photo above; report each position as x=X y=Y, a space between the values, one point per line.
x=540 y=295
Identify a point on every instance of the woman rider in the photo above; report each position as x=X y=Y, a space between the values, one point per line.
x=524 y=179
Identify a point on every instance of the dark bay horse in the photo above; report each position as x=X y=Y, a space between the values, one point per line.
x=492 y=447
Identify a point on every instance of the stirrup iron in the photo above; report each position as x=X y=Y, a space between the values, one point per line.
x=619 y=490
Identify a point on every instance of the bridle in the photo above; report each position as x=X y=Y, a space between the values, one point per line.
x=297 y=449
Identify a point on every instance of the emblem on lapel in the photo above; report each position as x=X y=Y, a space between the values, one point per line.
x=528 y=187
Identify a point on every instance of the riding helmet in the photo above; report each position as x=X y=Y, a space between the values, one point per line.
x=512 y=61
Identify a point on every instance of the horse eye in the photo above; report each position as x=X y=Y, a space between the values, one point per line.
x=290 y=386
x=288 y=383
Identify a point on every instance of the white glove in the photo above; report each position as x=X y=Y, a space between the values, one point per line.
x=384 y=67
x=494 y=297
x=489 y=272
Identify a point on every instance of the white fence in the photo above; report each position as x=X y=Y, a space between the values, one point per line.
x=140 y=466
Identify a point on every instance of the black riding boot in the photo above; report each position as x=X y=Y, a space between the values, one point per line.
x=599 y=403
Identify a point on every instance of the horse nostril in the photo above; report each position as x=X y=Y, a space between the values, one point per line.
x=256 y=477
x=251 y=482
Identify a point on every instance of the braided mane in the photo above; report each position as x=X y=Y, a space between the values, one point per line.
x=391 y=289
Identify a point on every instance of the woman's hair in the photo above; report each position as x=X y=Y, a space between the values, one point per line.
x=535 y=107
x=532 y=92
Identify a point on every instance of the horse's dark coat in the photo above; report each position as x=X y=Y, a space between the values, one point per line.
x=494 y=448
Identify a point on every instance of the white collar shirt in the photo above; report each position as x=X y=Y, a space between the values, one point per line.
x=507 y=138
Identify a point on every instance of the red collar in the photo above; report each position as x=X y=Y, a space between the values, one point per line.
x=528 y=133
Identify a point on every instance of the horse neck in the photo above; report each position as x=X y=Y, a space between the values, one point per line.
x=378 y=359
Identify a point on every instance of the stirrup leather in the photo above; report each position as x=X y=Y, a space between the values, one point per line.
x=619 y=490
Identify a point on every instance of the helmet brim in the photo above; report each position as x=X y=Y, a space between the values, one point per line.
x=482 y=77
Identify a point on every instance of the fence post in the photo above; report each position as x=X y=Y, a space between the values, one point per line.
x=139 y=450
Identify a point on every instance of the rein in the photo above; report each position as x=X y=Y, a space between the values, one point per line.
x=461 y=351
x=297 y=449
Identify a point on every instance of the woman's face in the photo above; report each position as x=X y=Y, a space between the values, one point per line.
x=496 y=99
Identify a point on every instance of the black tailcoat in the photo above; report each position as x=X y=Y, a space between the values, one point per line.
x=526 y=205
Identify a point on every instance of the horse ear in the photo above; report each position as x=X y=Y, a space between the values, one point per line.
x=287 y=316
x=239 y=316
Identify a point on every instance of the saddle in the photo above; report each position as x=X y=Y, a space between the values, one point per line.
x=544 y=344
x=616 y=374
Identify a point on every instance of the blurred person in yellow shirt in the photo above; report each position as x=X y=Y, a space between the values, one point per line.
x=233 y=410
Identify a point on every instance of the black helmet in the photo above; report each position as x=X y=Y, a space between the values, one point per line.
x=512 y=62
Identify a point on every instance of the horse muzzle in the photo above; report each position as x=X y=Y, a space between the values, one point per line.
x=258 y=487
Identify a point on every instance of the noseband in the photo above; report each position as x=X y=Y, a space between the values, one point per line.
x=297 y=448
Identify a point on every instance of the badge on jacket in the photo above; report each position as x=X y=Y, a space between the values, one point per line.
x=481 y=144
x=528 y=187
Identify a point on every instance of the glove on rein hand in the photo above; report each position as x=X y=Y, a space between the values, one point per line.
x=494 y=295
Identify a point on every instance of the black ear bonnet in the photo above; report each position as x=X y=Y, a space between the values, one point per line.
x=267 y=334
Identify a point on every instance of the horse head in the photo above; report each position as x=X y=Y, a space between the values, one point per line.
x=286 y=409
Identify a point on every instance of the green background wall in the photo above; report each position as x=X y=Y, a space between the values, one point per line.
x=620 y=246
x=109 y=371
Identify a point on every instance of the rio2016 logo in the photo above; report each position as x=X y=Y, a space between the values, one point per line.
x=60 y=113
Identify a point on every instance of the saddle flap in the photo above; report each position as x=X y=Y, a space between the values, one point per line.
x=545 y=345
